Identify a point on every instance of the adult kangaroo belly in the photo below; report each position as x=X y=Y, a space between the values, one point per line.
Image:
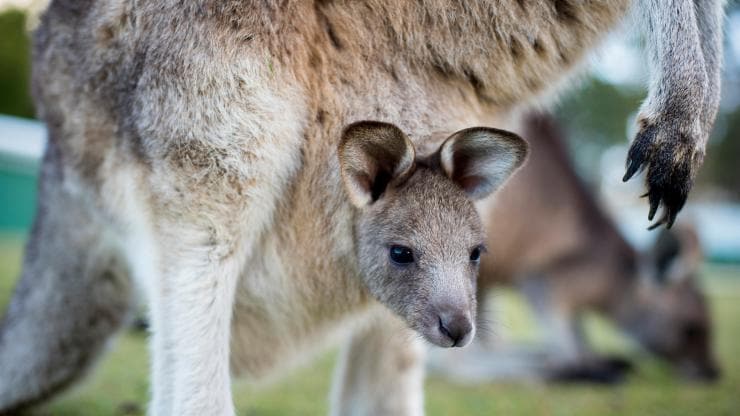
x=507 y=51
x=299 y=295
x=531 y=45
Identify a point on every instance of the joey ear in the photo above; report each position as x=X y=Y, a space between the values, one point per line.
x=373 y=155
x=480 y=159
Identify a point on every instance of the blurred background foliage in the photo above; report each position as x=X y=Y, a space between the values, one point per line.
x=15 y=65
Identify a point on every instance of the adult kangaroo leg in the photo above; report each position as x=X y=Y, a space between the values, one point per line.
x=380 y=372
x=191 y=319
x=683 y=40
x=71 y=297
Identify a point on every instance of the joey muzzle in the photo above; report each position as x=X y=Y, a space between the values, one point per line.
x=457 y=327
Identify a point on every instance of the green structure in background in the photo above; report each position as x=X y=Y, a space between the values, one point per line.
x=17 y=178
x=22 y=142
x=17 y=199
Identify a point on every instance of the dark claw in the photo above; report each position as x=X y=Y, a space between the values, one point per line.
x=657 y=224
x=670 y=218
x=669 y=174
x=639 y=151
x=632 y=167
x=654 y=198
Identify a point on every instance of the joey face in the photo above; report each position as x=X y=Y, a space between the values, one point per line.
x=419 y=238
x=419 y=249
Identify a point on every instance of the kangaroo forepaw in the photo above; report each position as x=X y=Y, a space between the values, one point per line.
x=672 y=155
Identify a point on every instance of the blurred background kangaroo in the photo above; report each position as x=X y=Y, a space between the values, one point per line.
x=555 y=243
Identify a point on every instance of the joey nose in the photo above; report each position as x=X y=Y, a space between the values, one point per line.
x=457 y=327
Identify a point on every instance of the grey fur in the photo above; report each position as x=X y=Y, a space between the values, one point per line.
x=201 y=138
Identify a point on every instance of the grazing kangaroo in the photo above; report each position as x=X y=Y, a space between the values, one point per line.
x=550 y=238
x=192 y=146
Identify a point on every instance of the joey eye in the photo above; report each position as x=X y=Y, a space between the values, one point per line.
x=401 y=255
x=475 y=254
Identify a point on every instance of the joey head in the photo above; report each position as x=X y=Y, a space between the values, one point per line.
x=418 y=235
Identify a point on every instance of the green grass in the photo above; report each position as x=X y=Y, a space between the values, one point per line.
x=119 y=386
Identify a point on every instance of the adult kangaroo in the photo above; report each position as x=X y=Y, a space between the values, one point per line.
x=551 y=239
x=193 y=147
